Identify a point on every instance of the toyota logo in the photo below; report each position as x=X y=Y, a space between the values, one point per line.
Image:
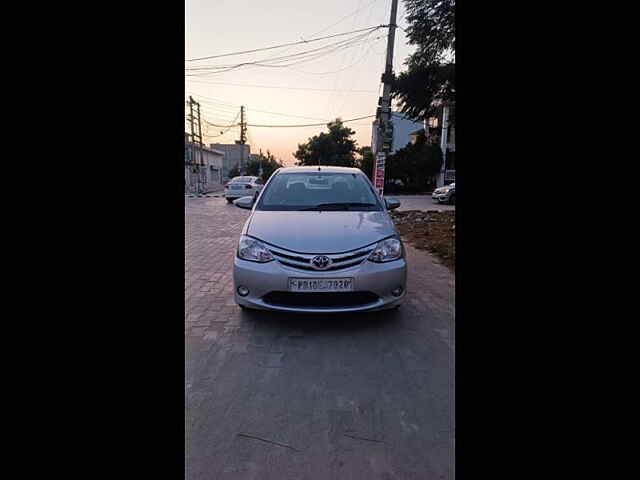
x=321 y=262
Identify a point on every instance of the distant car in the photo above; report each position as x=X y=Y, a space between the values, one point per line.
x=445 y=194
x=242 y=187
x=319 y=240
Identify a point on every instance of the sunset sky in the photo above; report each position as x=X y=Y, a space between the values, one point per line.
x=216 y=27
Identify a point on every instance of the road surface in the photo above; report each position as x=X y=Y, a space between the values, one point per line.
x=283 y=396
x=420 y=202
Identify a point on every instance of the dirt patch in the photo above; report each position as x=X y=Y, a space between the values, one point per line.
x=432 y=230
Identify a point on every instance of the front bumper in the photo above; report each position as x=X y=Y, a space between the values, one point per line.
x=263 y=278
x=440 y=197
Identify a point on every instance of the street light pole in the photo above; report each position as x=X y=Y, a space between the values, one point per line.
x=444 y=140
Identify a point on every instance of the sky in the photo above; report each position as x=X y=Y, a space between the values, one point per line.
x=216 y=27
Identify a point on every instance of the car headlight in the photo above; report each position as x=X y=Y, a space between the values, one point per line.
x=253 y=250
x=386 y=250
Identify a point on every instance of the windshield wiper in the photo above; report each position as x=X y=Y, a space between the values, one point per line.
x=339 y=206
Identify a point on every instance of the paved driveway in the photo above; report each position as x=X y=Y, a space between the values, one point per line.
x=283 y=396
x=420 y=202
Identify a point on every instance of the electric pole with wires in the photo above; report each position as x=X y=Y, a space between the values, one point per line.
x=197 y=163
x=243 y=138
x=384 y=138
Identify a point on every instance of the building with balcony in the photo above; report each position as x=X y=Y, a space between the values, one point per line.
x=441 y=129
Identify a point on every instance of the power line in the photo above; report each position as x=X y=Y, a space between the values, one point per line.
x=311 y=124
x=228 y=127
x=341 y=69
x=283 y=87
x=219 y=113
x=281 y=46
x=279 y=62
x=345 y=17
x=286 y=57
x=215 y=100
x=363 y=53
x=287 y=115
x=271 y=113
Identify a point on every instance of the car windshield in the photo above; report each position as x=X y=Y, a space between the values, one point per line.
x=241 y=180
x=319 y=191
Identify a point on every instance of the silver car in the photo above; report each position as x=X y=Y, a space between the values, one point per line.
x=319 y=239
x=445 y=194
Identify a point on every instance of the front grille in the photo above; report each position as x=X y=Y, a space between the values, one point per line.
x=320 y=300
x=302 y=261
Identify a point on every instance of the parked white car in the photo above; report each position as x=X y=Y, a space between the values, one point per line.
x=445 y=194
x=242 y=187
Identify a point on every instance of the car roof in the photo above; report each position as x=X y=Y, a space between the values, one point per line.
x=320 y=168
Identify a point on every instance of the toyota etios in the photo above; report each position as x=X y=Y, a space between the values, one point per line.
x=319 y=239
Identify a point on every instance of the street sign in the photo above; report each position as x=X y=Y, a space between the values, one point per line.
x=379 y=173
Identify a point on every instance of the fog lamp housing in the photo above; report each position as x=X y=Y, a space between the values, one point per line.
x=243 y=291
x=396 y=292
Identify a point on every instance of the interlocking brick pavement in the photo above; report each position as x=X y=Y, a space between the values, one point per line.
x=280 y=396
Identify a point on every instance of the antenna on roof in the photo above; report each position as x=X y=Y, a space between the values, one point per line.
x=318 y=167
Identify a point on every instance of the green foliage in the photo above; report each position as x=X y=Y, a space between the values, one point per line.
x=430 y=71
x=365 y=162
x=432 y=29
x=269 y=165
x=335 y=148
x=418 y=88
x=415 y=164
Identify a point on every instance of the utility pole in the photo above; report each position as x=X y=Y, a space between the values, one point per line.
x=196 y=139
x=195 y=123
x=384 y=138
x=243 y=137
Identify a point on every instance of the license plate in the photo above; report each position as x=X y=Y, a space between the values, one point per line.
x=235 y=187
x=320 y=284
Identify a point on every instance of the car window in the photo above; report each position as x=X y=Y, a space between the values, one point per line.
x=241 y=180
x=315 y=190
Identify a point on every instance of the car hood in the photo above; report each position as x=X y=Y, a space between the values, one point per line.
x=319 y=232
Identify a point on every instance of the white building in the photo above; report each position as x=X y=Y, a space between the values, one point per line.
x=235 y=155
x=203 y=168
x=442 y=129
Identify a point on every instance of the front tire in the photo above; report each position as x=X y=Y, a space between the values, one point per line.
x=452 y=200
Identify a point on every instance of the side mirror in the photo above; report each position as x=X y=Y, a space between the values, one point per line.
x=244 y=202
x=391 y=203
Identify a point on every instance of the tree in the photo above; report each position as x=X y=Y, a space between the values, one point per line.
x=430 y=74
x=333 y=148
x=365 y=162
x=268 y=163
x=415 y=164
x=432 y=28
x=419 y=89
